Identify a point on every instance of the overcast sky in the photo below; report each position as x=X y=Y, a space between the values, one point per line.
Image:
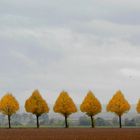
x=72 y=45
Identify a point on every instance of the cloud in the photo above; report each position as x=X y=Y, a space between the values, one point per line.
x=23 y=58
x=130 y=72
x=69 y=45
x=62 y=13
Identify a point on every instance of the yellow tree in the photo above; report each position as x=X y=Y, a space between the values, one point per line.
x=8 y=106
x=138 y=106
x=37 y=105
x=91 y=106
x=119 y=105
x=65 y=106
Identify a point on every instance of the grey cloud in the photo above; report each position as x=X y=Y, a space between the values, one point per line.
x=62 y=13
x=69 y=45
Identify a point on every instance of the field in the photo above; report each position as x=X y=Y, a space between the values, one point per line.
x=70 y=134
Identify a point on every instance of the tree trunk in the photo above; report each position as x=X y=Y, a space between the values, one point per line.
x=9 y=121
x=120 y=121
x=92 y=121
x=37 y=121
x=66 y=121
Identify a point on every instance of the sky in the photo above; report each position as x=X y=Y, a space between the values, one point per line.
x=72 y=45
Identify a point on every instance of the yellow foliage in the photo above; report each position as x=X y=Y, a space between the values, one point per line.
x=36 y=104
x=8 y=104
x=118 y=104
x=91 y=105
x=64 y=104
x=138 y=106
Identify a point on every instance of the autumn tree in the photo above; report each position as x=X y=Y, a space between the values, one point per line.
x=65 y=106
x=91 y=106
x=8 y=106
x=37 y=105
x=138 y=106
x=119 y=105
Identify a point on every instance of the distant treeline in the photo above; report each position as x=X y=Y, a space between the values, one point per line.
x=64 y=105
x=28 y=120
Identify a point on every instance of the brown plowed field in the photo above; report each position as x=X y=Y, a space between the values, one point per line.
x=70 y=134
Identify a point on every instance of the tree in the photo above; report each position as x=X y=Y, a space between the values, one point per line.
x=91 y=106
x=101 y=122
x=9 y=106
x=119 y=105
x=138 y=106
x=131 y=122
x=36 y=105
x=65 y=106
x=84 y=121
